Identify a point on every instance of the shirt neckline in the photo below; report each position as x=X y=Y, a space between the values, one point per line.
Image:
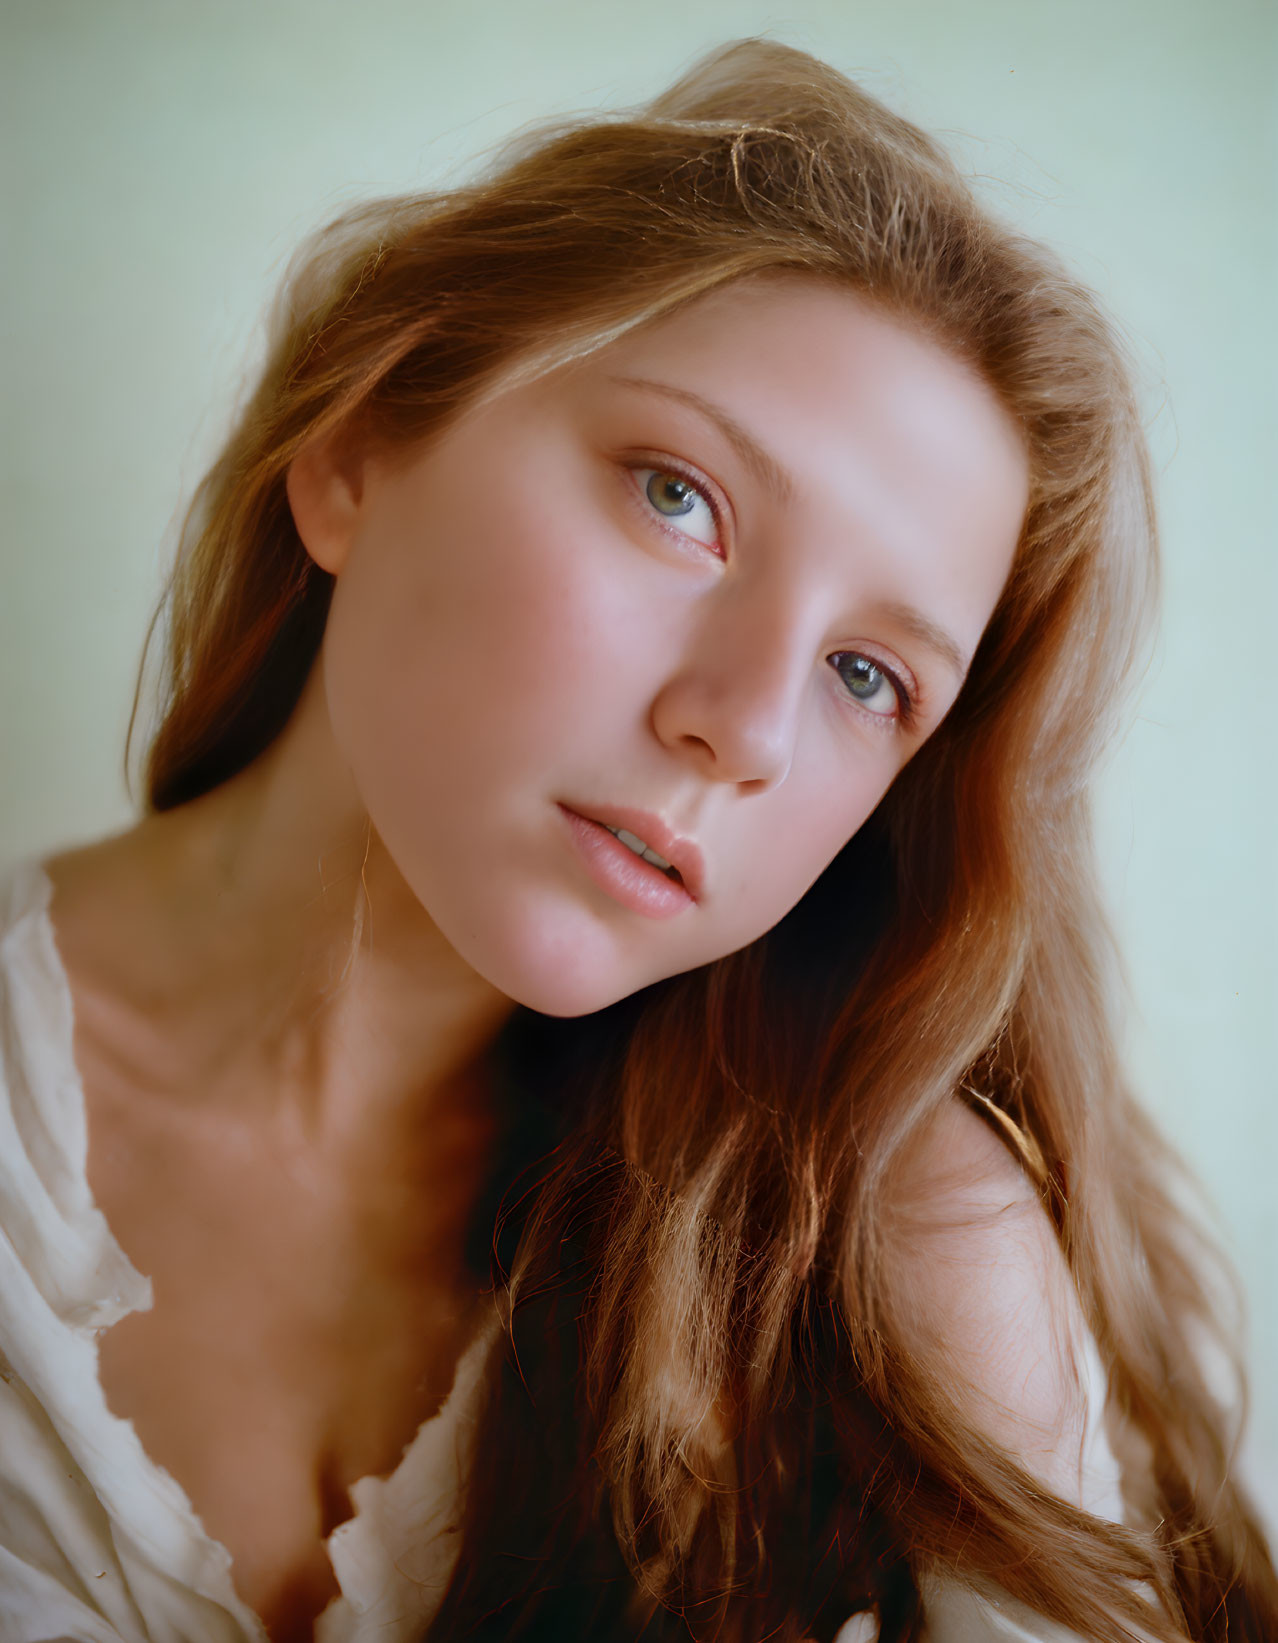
x=31 y=891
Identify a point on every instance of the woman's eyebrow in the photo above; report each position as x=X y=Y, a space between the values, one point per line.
x=926 y=632
x=781 y=484
x=761 y=463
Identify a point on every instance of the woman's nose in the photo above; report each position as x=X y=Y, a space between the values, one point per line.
x=733 y=705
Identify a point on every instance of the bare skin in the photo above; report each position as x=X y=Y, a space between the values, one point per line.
x=301 y=1217
x=289 y=1117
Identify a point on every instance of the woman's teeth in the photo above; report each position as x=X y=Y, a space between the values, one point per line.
x=641 y=849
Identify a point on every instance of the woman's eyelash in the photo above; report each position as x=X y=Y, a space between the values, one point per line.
x=904 y=695
x=694 y=481
x=907 y=706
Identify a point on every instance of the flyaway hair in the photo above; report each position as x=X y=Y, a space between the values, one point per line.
x=710 y=1417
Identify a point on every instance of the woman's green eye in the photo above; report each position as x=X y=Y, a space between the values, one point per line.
x=671 y=494
x=681 y=502
x=871 y=685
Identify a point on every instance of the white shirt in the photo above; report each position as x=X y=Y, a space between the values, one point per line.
x=98 y=1544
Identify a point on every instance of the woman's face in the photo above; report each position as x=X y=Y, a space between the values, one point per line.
x=716 y=584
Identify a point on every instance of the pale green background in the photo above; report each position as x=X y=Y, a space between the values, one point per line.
x=162 y=161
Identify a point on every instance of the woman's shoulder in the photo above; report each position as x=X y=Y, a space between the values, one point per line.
x=59 y=1254
x=34 y=997
x=984 y=1288
x=25 y=889
x=29 y=883
x=71 y=914
x=35 y=977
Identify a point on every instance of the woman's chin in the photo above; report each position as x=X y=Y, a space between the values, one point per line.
x=557 y=966
x=562 y=983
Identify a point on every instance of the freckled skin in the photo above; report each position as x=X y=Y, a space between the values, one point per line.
x=514 y=625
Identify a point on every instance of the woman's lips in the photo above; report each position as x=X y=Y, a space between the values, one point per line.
x=682 y=852
x=626 y=877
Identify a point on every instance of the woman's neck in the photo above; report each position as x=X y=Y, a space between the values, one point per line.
x=260 y=949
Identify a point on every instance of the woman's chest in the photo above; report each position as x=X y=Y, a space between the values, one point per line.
x=287 y=1354
x=266 y=1457
x=266 y=1412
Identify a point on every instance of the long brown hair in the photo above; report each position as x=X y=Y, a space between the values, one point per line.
x=705 y=1418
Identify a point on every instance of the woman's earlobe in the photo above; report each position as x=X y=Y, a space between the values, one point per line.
x=324 y=486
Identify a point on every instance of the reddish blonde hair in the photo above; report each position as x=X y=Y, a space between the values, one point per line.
x=715 y=1426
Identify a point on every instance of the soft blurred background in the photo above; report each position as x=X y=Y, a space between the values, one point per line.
x=162 y=158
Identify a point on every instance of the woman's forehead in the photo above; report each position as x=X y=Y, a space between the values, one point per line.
x=792 y=346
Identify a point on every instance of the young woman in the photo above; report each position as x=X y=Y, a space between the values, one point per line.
x=586 y=1108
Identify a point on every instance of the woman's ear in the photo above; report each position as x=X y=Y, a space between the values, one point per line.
x=325 y=488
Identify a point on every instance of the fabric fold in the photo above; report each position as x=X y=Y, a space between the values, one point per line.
x=99 y=1544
